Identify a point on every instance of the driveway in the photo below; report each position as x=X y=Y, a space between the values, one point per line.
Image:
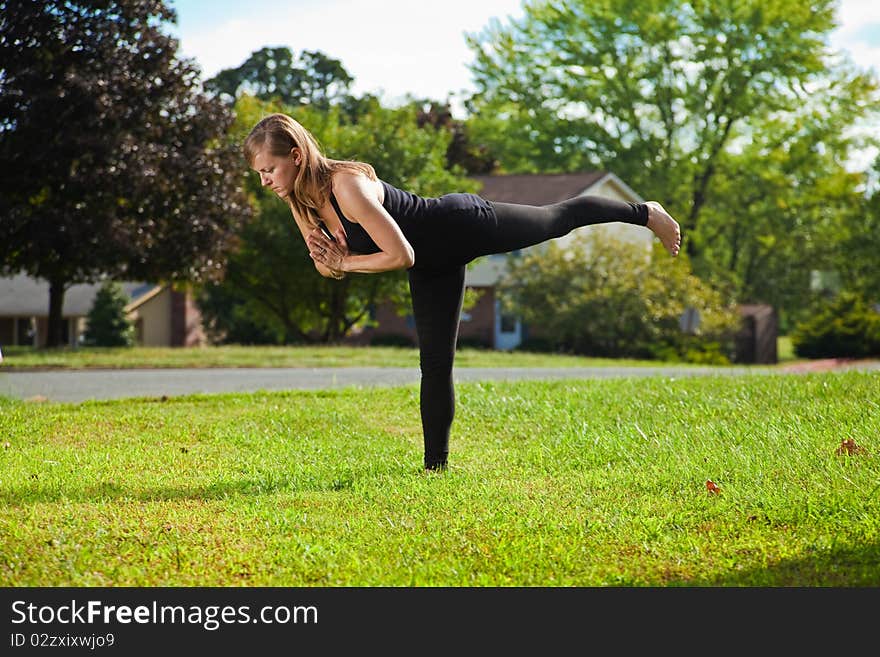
x=82 y=385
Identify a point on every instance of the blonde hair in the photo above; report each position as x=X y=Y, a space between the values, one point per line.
x=280 y=133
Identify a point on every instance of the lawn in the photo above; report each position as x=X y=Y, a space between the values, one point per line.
x=566 y=483
x=295 y=356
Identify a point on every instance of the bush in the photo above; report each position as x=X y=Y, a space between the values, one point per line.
x=107 y=324
x=843 y=327
x=603 y=297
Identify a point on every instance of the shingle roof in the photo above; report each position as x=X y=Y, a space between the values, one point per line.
x=23 y=296
x=537 y=189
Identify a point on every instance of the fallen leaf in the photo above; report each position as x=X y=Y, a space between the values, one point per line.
x=712 y=487
x=849 y=446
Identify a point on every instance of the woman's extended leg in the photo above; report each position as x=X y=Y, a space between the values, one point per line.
x=520 y=226
x=436 y=299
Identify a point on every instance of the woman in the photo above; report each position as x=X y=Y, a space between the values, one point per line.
x=354 y=222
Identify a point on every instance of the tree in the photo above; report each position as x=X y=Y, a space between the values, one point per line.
x=858 y=259
x=271 y=283
x=313 y=78
x=782 y=208
x=113 y=162
x=657 y=90
x=107 y=324
x=475 y=159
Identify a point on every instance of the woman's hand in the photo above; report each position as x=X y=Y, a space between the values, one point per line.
x=328 y=253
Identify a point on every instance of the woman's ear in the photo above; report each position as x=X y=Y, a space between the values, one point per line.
x=296 y=154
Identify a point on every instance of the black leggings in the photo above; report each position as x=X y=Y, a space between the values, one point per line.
x=437 y=294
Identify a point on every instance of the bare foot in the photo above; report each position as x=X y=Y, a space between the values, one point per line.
x=664 y=227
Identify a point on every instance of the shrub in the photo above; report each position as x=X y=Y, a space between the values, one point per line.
x=599 y=296
x=107 y=324
x=843 y=327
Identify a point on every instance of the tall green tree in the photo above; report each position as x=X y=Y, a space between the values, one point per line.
x=271 y=283
x=659 y=91
x=782 y=208
x=113 y=160
x=859 y=256
x=311 y=78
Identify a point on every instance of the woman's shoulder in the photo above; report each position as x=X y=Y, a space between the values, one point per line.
x=350 y=183
x=348 y=177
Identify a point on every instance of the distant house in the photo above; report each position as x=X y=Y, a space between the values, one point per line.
x=161 y=316
x=485 y=324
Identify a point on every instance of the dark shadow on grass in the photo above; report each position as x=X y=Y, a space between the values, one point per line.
x=840 y=567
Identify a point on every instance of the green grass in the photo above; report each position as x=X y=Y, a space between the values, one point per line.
x=584 y=483
x=253 y=356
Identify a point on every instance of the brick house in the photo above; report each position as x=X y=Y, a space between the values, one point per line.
x=161 y=316
x=484 y=324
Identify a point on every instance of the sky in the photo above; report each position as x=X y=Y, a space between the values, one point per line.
x=395 y=47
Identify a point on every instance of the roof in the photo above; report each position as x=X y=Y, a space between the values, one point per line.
x=23 y=296
x=537 y=188
x=140 y=299
x=542 y=189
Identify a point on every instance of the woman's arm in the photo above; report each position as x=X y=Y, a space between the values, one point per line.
x=358 y=201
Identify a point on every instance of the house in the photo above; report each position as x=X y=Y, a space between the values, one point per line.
x=161 y=316
x=485 y=324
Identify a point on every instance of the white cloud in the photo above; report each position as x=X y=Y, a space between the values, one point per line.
x=399 y=46
x=853 y=14
x=853 y=17
x=395 y=47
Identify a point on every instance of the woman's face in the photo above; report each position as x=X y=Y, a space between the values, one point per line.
x=277 y=172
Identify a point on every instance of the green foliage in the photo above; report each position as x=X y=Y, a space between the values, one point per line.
x=784 y=207
x=107 y=323
x=845 y=326
x=603 y=297
x=859 y=261
x=734 y=114
x=113 y=163
x=312 y=78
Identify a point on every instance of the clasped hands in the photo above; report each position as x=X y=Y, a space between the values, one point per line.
x=327 y=252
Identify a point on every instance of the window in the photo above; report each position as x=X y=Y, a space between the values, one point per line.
x=508 y=323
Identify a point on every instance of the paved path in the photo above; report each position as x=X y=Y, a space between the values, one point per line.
x=81 y=385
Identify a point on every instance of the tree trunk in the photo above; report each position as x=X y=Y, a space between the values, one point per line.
x=336 y=320
x=57 y=289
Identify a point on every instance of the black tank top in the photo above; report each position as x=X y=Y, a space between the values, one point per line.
x=422 y=220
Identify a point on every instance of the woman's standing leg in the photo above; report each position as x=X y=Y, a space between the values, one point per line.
x=436 y=300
